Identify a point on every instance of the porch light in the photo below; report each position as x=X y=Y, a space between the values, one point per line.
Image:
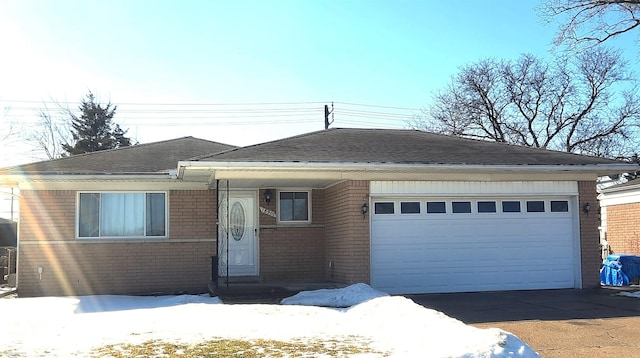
x=364 y=208
x=586 y=208
x=267 y=196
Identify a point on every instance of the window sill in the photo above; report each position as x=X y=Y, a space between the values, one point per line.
x=120 y=240
x=291 y=225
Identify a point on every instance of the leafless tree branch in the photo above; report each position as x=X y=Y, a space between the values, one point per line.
x=576 y=106
x=587 y=23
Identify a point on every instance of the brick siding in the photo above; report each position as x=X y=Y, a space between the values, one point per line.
x=347 y=233
x=589 y=234
x=180 y=263
x=292 y=252
x=623 y=228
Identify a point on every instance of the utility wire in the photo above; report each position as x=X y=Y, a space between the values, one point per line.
x=216 y=114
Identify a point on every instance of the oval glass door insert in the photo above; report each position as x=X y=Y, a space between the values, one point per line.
x=237 y=220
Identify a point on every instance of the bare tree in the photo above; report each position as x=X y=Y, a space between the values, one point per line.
x=52 y=131
x=587 y=104
x=585 y=23
x=8 y=129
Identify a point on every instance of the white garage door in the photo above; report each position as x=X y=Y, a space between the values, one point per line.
x=429 y=245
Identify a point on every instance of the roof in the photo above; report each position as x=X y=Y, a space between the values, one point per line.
x=157 y=157
x=341 y=145
x=633 y=184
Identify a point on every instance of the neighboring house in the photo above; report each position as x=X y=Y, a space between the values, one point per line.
x=620 y=212
x=406 y=211
x=8 y=232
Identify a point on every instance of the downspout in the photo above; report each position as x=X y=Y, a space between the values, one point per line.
x=214 y=259
x=227 y=233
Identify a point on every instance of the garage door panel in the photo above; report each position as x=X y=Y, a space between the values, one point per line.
x=472 y=252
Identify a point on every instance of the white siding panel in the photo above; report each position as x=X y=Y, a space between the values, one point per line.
x=434 y=188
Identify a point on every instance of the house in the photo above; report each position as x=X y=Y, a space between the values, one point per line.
x=620 y=213
x=405 y=211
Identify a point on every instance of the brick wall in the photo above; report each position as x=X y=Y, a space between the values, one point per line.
x=623 y=228
x=192 y=214
x=180 y=263
x=114 y=268
x=292 y=252
x=347 y=233
x=589 y=234
x=47 y=215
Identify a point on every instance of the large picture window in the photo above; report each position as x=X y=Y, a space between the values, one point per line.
x=294 y=206
x=122 y=215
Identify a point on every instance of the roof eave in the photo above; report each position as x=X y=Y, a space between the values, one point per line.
x=7 y=179
x=598 y=169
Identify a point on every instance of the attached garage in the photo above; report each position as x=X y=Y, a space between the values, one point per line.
x=429 y=237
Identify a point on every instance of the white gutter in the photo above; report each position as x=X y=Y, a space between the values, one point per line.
x=304 y=166
x=17 y=178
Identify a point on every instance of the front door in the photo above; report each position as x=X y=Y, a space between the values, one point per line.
x=239 y=247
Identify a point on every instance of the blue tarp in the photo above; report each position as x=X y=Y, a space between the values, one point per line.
x=619 y=270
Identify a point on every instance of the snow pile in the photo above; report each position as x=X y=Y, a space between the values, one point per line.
x=339 y=297
x=409 y=328
x=635 y=294
x=65 y=327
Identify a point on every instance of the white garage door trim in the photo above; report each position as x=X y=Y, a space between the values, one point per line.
x=525 y=255
x=452 y=188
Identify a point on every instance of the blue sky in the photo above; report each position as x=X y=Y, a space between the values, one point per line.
x=144 y=55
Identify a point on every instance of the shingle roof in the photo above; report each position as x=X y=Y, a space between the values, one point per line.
x=154 y=157
x=342 y=145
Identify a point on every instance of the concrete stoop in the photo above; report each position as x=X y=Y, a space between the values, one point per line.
x=249 y=293
x=260 y=292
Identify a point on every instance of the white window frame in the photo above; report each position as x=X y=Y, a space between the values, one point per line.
x=136 y=237
x=294 y=222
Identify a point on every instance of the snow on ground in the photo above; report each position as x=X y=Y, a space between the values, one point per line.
x=73 y=326
x=635 y=294
x=339 y=297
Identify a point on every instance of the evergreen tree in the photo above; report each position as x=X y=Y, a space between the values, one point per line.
x=95 y=130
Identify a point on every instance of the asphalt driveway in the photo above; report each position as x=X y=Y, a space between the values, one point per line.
x=555 y=323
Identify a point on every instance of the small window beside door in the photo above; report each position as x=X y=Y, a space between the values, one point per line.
x=293 y=206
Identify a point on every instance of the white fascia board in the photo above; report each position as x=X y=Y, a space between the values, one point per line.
x=81 y=177
x=619 y=198
x=94 y=181
x=599 y=170
x=619 y=188
x=629 y=194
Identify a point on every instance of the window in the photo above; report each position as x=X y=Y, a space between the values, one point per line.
x=383 y=208
x=486 y=206
x=410 y=208
x=510 y=206
x=559 y=206
x=461 y=207
x=536 y=206
x=122 y=215
x=294 y=206
x=436 y=207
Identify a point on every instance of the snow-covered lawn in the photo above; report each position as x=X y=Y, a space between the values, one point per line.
x=388 y=325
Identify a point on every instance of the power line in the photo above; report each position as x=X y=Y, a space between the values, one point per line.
x=217 y=114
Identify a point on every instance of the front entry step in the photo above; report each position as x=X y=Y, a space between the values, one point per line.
x=222 y=281
x=245 y=292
